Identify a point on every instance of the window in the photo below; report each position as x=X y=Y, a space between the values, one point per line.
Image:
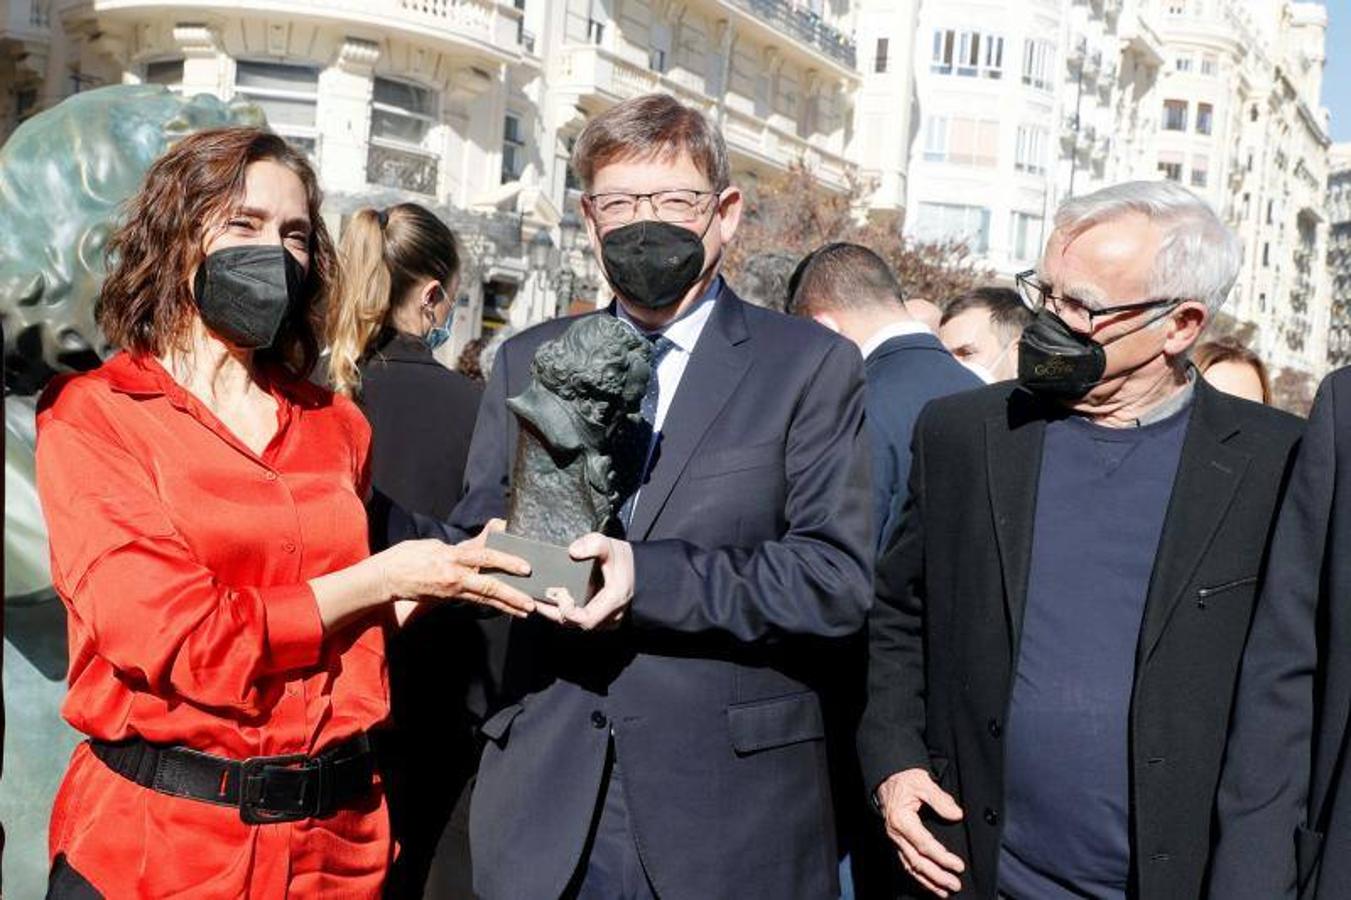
x=971 y=54
x=595 y=31
x=966 y=142
x=1200 y=171
x=1026 y=231
x=1038 y=64
x=880 y=60
x=288 y=95
x=401 y=113
x=950 y=222
x=513 y=149
x=1210 y=64
x=1183 y=63
x=1266 y=255
x=936 y=139
x=1170 y=170
x=659 y=42
x=168 y=72
x=1175 y=115
x=1030 y=150
x=402 y=118
x=1205 y=115
x=942 y=55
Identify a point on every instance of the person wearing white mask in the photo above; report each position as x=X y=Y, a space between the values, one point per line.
x=981 y=328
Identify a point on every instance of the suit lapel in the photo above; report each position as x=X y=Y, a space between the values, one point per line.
x=1013 y=444
x=1208 y=474
x=715 y=369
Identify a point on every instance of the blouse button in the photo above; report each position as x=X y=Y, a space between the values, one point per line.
x=289 y=546
x=270 y=476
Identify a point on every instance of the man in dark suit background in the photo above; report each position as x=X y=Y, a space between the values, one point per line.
x=853 y=292
x=1059 y=622
x=667 y=738
x=1284 y=805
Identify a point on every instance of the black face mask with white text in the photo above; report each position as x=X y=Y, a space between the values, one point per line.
x=1056 y=361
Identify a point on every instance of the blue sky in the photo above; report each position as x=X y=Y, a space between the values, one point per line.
x=1337 y=74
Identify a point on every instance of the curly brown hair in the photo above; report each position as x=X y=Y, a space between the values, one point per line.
x=146 y=304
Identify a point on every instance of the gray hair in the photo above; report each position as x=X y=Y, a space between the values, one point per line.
x=1199 y=256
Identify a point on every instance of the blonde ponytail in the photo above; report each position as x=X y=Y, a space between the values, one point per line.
x=361 y=307
x=384 y=256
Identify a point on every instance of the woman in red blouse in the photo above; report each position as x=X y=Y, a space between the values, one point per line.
x=204 y=502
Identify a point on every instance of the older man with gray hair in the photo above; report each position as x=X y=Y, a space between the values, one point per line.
x=1059 y=621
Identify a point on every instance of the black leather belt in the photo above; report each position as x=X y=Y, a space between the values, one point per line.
x=265 y=789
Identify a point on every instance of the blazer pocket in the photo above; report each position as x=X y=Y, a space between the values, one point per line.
x=736 y=459
x=938 y=768
x=1205 y=594
x=764 y=724
x=1308 y=853
x=499 y=723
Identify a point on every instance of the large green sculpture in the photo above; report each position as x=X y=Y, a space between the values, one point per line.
x=64 y=174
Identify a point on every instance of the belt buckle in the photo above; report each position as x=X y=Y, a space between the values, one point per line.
x=259 y=806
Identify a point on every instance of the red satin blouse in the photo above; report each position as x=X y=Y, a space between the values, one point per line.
x=182 y=558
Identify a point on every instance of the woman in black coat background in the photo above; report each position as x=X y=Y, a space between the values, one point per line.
x=401 y=274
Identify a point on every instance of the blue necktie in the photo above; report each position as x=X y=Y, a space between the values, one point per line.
x=660 y=347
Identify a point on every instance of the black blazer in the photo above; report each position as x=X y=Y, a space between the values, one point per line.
x=422 y=416
x=1284 y=803
x=943 y=635
x=752 y=546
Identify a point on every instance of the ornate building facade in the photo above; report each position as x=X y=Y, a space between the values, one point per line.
x=471 y=106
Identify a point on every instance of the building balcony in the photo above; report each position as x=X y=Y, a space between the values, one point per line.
x=403 y=169
x=1141 y=40
x=476 y=25
x=25 y=20
x=803 y=26
x=1078 y=51
x=595 y=76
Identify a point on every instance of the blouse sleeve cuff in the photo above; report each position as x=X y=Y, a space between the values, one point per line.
x=295 y=633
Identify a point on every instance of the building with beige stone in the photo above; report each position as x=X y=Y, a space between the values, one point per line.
x=471 y=106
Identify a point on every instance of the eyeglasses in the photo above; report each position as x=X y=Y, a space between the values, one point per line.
x=676 y=207
x=1037 y=296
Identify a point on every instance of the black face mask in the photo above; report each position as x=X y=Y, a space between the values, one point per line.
x=651 y=263
x=244 y=293
x=1057 y=361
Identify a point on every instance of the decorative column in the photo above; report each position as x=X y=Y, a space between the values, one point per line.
x=344 y=119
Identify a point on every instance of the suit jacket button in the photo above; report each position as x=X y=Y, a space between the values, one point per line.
x=991 y=817
x=598 y=719
x=995 y=728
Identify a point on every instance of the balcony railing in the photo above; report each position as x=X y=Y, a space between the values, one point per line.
x=404 y=169
x=806 y=26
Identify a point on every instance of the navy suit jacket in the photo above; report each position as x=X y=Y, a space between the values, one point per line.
x=902 y=375
x=1284 y=805
x=752 y=549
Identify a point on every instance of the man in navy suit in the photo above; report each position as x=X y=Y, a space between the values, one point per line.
x=852 y=291
x=667 y=739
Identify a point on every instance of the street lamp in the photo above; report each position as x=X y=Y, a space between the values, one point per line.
x=540 y=251
x=542 y=256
